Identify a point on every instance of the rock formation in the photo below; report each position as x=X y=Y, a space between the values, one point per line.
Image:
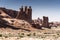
x=45 y=22
x=24 y=13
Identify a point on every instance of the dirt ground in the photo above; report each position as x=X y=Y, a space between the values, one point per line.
x=38 y=34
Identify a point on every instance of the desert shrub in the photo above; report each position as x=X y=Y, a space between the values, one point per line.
x=0 y=35
x=29 y=34
x=18 y=38
x=45 y=33
x=54 y=35
x=34 y=34
x=57 y=34
x=42 y=37
x=21 y=36
x=6 y=36
x=22 y=33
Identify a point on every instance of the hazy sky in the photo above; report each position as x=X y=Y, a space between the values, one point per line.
x=50 y=8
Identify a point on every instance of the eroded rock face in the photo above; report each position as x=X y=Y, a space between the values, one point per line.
x=22 y=24
x=45 y=22
x=18 y=19
x=24 y=13
x=17 y=23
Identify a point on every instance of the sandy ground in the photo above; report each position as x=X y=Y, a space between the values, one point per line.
x=46 y=34
x=27 y=38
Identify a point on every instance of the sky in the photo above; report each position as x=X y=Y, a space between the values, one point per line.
x=40 y=8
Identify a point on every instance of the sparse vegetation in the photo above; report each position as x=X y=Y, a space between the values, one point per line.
x=6 y=36
x=0 y=35
x=21 y=36
x=34 y=34
x=57 y=34
x=29 y=34
x=22 y=33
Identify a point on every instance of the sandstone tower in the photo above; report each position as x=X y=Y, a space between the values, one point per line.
x=25 y=13
x=45 y=22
